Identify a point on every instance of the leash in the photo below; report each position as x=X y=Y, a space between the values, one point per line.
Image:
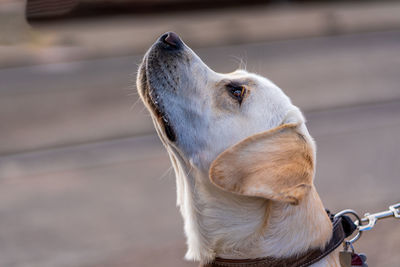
x=351 y=258
x=343 y=228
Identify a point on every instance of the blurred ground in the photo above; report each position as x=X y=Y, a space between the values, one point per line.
x=85 y=181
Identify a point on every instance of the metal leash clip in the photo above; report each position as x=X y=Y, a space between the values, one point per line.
x=371 y=219
x=349 y=258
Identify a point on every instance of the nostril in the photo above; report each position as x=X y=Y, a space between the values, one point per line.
x=171 y=39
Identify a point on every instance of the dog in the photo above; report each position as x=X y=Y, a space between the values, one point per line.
x=243 y=158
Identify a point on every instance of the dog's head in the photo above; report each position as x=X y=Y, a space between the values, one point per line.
x=238 y=126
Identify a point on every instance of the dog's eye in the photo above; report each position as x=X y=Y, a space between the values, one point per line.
x=237 y=92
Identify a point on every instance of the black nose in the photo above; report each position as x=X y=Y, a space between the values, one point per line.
x=172 y=40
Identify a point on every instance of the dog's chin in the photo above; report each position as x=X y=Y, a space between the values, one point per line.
x=151 y=97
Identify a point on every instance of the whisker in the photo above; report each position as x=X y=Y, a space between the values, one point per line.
x=134 y=104
x=242 y=64
x=166 y=173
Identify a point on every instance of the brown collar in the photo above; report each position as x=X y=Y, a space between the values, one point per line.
x=310 y=257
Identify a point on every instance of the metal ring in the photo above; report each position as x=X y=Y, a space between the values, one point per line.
x=358 y=222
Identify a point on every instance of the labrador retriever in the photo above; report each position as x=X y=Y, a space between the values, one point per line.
x=243 y=158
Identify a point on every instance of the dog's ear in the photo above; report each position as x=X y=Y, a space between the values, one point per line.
x=277 y=165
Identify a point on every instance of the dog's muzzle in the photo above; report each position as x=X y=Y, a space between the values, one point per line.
x=157 y=73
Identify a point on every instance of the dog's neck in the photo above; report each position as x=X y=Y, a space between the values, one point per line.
x=226 y=225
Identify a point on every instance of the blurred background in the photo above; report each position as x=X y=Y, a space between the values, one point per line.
x=84 y=180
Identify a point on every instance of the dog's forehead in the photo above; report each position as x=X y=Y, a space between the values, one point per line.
x=246 y=78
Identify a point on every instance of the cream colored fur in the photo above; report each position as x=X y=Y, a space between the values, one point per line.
x=244 y=171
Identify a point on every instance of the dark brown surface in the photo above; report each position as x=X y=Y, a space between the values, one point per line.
x=47 y=10
x=36 y=9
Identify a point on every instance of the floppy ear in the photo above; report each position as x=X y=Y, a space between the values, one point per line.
x=277 y=165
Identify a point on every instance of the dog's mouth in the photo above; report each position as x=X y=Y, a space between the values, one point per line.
x=161 y=115
x=155 y=103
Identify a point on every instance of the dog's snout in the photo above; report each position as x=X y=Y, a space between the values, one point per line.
x=172 y=40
